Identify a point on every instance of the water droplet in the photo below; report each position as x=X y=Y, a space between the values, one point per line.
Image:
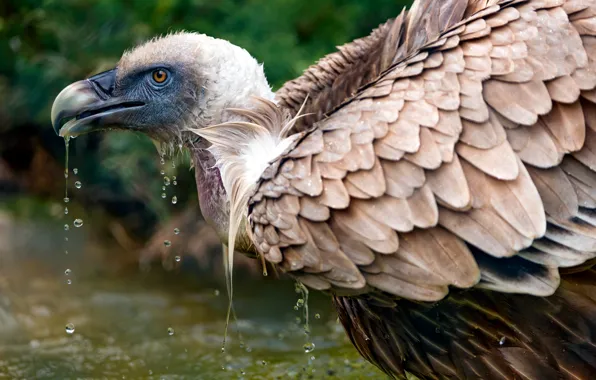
x=300 y=302
x=162 y=160
x=216 y=292
x=312 y=357
x=65 y=173
x=162 y=172
x=317 y=316
x=66 y=228
x=163 y=188
x=66 y=239
x=177 y=258
x=176 y=231
x=78 y=223
x=295 y=307
x=173 y=178
x=66 y=199
x=309 y=347
x=65 y=210
x=263 y=362
x=175 y=183
x=70 y=328
x=67 y=272
x=78 y=184
x=167 y=243
x=502 y=341
x=242 y=372
x=66 y=252
x=166 y=181
x=163 y=195
x=174 y=200
x=170 y=331
x=150 y=372
x=223 y=350
x=75 y=170
x=68 y=282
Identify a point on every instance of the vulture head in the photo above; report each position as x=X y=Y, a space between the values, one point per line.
x=166 y=88
x=163 y=88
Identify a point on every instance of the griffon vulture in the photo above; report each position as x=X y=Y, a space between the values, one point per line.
x=437 y=178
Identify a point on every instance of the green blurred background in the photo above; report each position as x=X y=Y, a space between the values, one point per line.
x=47 y=44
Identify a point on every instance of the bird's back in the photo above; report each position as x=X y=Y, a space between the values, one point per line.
x=453 y=148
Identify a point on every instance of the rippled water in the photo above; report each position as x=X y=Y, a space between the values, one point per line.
x=123 y=328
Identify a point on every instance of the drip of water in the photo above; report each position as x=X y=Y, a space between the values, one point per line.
x=66 y=141
x=70 y=328
x=66 y=199
x=302 y=303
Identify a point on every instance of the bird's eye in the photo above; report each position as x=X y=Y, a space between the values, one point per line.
x=159 y=76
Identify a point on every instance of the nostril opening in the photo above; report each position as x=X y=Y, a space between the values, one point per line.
x=104 y=83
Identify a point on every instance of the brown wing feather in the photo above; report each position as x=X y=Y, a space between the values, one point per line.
x=468 y=159
x=452 y=135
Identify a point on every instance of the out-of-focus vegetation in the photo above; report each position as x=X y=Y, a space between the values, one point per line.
x=46 y=44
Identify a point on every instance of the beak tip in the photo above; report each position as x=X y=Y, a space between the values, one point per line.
x=78 y=107
x=70 y=102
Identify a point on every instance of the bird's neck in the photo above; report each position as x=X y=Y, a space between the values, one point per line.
x=231 y=79
x=213 y=199
x=214 y=203
x=212 y=195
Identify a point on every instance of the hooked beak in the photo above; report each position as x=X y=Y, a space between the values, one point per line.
x=89 y=105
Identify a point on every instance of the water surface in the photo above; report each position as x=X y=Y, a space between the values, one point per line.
x=123 y=325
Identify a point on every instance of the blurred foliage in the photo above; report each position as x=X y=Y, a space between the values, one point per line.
x=46 y=44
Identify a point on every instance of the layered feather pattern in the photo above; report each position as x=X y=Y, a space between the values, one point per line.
x=454 y=148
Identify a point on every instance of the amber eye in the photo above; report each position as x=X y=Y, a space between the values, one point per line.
x=159 y=76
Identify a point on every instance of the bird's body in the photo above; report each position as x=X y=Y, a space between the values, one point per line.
x=440 y=181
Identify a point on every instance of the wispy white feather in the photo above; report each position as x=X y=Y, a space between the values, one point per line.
x=242 y=150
